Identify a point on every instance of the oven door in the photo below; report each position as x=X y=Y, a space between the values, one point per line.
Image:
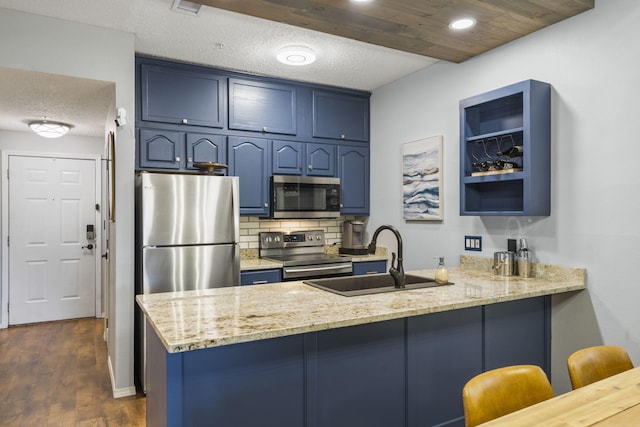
x=300 y=272
x=305 y=197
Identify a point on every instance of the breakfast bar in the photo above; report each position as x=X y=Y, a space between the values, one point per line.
x=289 y=354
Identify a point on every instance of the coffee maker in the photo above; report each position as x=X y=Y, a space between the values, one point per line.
x=353 y=239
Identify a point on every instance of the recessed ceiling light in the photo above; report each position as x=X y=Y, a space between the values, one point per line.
x=462 y=23
x=296 y=55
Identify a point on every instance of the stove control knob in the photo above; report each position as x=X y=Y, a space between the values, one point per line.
x=310 y=237
x=317 y=237
x=276 y=238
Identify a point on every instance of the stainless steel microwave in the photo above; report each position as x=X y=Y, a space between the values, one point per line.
x=305 y=197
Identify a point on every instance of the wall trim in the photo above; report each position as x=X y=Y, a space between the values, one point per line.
x=119 y=392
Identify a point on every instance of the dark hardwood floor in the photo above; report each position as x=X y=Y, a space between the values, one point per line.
x=56 y=374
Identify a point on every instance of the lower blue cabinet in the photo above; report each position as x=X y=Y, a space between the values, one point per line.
x=369 y=267
x=259 y=277
x=404 y=372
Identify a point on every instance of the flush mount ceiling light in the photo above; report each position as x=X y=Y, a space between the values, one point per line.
x=188 y=7
x=296 y=55
x=49 y=129
x=462 y=23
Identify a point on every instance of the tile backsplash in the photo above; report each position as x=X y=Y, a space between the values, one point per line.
x=250 y=227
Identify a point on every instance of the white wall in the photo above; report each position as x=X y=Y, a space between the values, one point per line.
x=95 y=53
x=592 y=62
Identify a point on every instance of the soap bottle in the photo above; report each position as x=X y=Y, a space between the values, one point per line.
x=442 y=275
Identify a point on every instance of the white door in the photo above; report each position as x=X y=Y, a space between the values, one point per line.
x=51 y=260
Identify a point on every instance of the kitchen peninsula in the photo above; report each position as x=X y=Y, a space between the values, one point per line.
x=288 y=354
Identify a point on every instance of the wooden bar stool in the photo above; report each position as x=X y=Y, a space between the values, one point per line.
x=501 y=391
x=593 y=364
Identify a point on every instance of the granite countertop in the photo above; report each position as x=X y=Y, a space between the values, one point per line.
x=193 y=320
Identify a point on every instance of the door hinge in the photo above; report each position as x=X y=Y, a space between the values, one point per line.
x=98 y=207
x=7 y=173
x=7 y=241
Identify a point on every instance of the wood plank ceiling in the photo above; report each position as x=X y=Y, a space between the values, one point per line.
x=416 y=26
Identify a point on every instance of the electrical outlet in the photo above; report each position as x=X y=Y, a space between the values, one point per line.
x=473 y=243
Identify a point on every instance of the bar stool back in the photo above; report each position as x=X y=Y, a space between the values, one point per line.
x=593 y=364
x=501 y=391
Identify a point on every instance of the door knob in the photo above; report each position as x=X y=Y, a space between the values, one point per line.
x=89 y=246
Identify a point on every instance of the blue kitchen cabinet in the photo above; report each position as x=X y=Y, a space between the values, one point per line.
x=259 y=277
x=353 y=171
x=205 y=148
x=517 y=333
x=369 y=267
x=249 y=159
x=505 y=151
x=355 y=376
x=338 y=115
x=181 y=95
x=161 y=149
x=402 y=372
x=444 y=351
x=261 y=106
x=298 y=158
x=213 y=386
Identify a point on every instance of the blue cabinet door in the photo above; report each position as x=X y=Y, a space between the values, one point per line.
x=262 y=106
x=518 y=333
x=288 y=157
x=321 y=159
x=259 y=277
x=205 y=148
x=299 y=158
x=340 y=116
x=175 y=95
x=444 y=351
x=259 y=383
x=356 y=376
x=369 y=267
x=353 y=171
x=162 y=149
x=249 y=160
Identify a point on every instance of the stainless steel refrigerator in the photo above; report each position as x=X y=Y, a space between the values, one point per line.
x=187 y=232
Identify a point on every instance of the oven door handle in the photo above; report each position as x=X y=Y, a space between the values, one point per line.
x=314 y=269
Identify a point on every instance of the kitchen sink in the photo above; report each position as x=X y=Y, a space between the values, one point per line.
x=371 y=284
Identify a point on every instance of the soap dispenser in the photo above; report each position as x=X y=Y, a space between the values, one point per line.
x=442 y=275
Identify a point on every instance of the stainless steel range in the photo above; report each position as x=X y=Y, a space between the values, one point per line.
x=302 y=255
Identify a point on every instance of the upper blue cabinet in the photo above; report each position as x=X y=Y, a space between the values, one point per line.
x=505 y=149
x=259 y=106
x=299 y=158
x=340 y=116
x=176 y=95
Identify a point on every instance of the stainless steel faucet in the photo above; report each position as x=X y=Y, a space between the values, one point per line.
x=396 y=270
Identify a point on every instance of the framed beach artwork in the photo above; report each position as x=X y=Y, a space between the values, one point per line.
x=422 y=179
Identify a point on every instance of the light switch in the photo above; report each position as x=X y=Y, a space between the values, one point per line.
x=473 y=243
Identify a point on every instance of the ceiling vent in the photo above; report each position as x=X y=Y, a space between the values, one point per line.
x=188 y=7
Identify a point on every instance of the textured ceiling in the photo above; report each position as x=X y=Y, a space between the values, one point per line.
x=215 y=37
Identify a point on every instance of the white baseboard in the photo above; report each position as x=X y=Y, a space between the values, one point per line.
x=119 y=392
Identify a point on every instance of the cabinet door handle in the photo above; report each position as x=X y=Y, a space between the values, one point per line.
x=310 y=167
x=264 y=129
x=185 y=121
x=266 y=205
x=259 y=282
x=177 y=159
x=342 y=136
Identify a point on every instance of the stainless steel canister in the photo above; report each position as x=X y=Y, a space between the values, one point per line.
x=504 y=263
x=524 y=263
